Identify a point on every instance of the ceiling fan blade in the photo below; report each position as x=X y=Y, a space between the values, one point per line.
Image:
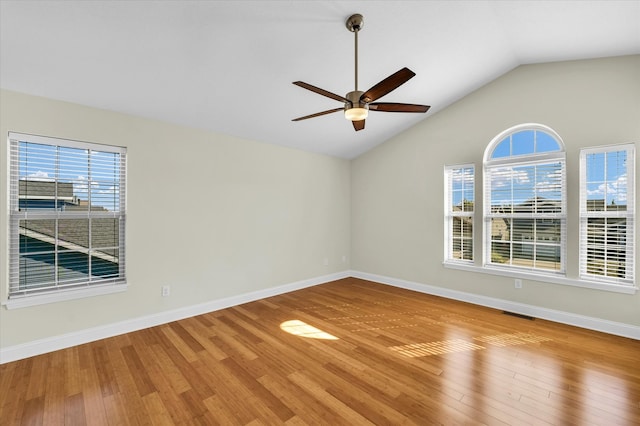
x=318 y=114
x=358 y=125
x=397 y=107
x=320 y=91
x=390 y=83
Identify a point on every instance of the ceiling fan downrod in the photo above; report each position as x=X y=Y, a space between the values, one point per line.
x=354 y=24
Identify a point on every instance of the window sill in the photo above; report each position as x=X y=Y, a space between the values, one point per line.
x=554 y=279
x=63 y=295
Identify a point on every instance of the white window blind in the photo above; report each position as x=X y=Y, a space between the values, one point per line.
x=525 y=201
x=607 y=214
x=67 y=214
x=459 y=209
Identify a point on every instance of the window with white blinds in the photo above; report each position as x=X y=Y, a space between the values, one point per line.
x=525 y=200
x=607 y=214
x=459 y=208
x=67 y=215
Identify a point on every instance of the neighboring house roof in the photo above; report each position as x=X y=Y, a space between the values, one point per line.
x=45 y=190
x=598 y=205
x=72 y=233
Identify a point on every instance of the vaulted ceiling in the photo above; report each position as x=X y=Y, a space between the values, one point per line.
x=227 y=66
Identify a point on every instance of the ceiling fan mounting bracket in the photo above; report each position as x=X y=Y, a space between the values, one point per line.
x=355 y=22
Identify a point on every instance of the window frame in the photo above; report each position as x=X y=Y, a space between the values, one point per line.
x=55 y=291
x=512 y=161
x=450 y=214
x=628 y=214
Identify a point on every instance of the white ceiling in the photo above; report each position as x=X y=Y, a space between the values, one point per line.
x=227 y=66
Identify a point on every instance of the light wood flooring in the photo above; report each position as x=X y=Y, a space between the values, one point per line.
x=349 y=352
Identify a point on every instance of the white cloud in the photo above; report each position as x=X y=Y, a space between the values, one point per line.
x=504 y=176
x=39 y=176
x=521 y=177
x=616 y=190
x=81 y=185
x=110 y=190
x=547 y=186
x=555 y=175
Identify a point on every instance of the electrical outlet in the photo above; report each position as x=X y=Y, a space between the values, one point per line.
x=166 y=290
x=326 y=261
x=344 y=259
x=518 y=283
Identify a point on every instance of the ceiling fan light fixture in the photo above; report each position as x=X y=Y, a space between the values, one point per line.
x=356 y=113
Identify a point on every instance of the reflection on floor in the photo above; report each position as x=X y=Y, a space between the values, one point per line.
x=415 y=350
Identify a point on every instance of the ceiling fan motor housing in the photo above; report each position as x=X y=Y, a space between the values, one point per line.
x=354 y=100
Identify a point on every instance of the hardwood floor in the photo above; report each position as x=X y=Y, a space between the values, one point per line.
x=361 y=353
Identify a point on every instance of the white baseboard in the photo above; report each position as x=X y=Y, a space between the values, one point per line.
x=591 y=323
x=54 y=343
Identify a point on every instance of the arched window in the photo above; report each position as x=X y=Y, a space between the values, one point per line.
x=525 y=200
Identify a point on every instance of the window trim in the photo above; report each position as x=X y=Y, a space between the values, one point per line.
x=629 y=214
x=16 y=299
x=449 y=214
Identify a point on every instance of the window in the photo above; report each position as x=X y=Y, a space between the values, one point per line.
x=525 y=200
x=459 y=200
x=607 y=215
x=67 y=215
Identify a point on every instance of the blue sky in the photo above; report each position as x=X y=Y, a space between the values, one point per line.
x=87 y=170
x=607 y=177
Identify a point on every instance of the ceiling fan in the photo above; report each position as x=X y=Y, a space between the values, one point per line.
x=357 y=103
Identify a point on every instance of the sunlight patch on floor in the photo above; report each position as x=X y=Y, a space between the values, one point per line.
x=415 y=350
x=512 y=339
x=302 y=329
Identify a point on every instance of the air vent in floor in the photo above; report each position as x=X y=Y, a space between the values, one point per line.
x=513 y=314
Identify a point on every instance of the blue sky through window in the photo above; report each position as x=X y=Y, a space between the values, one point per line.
x=462 y=182
x=91 y=172
x=515 y=185
x=606 y=177
x=525 y=142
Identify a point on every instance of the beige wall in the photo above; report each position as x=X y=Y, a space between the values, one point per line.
x=397 y=188
x=211 y=215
